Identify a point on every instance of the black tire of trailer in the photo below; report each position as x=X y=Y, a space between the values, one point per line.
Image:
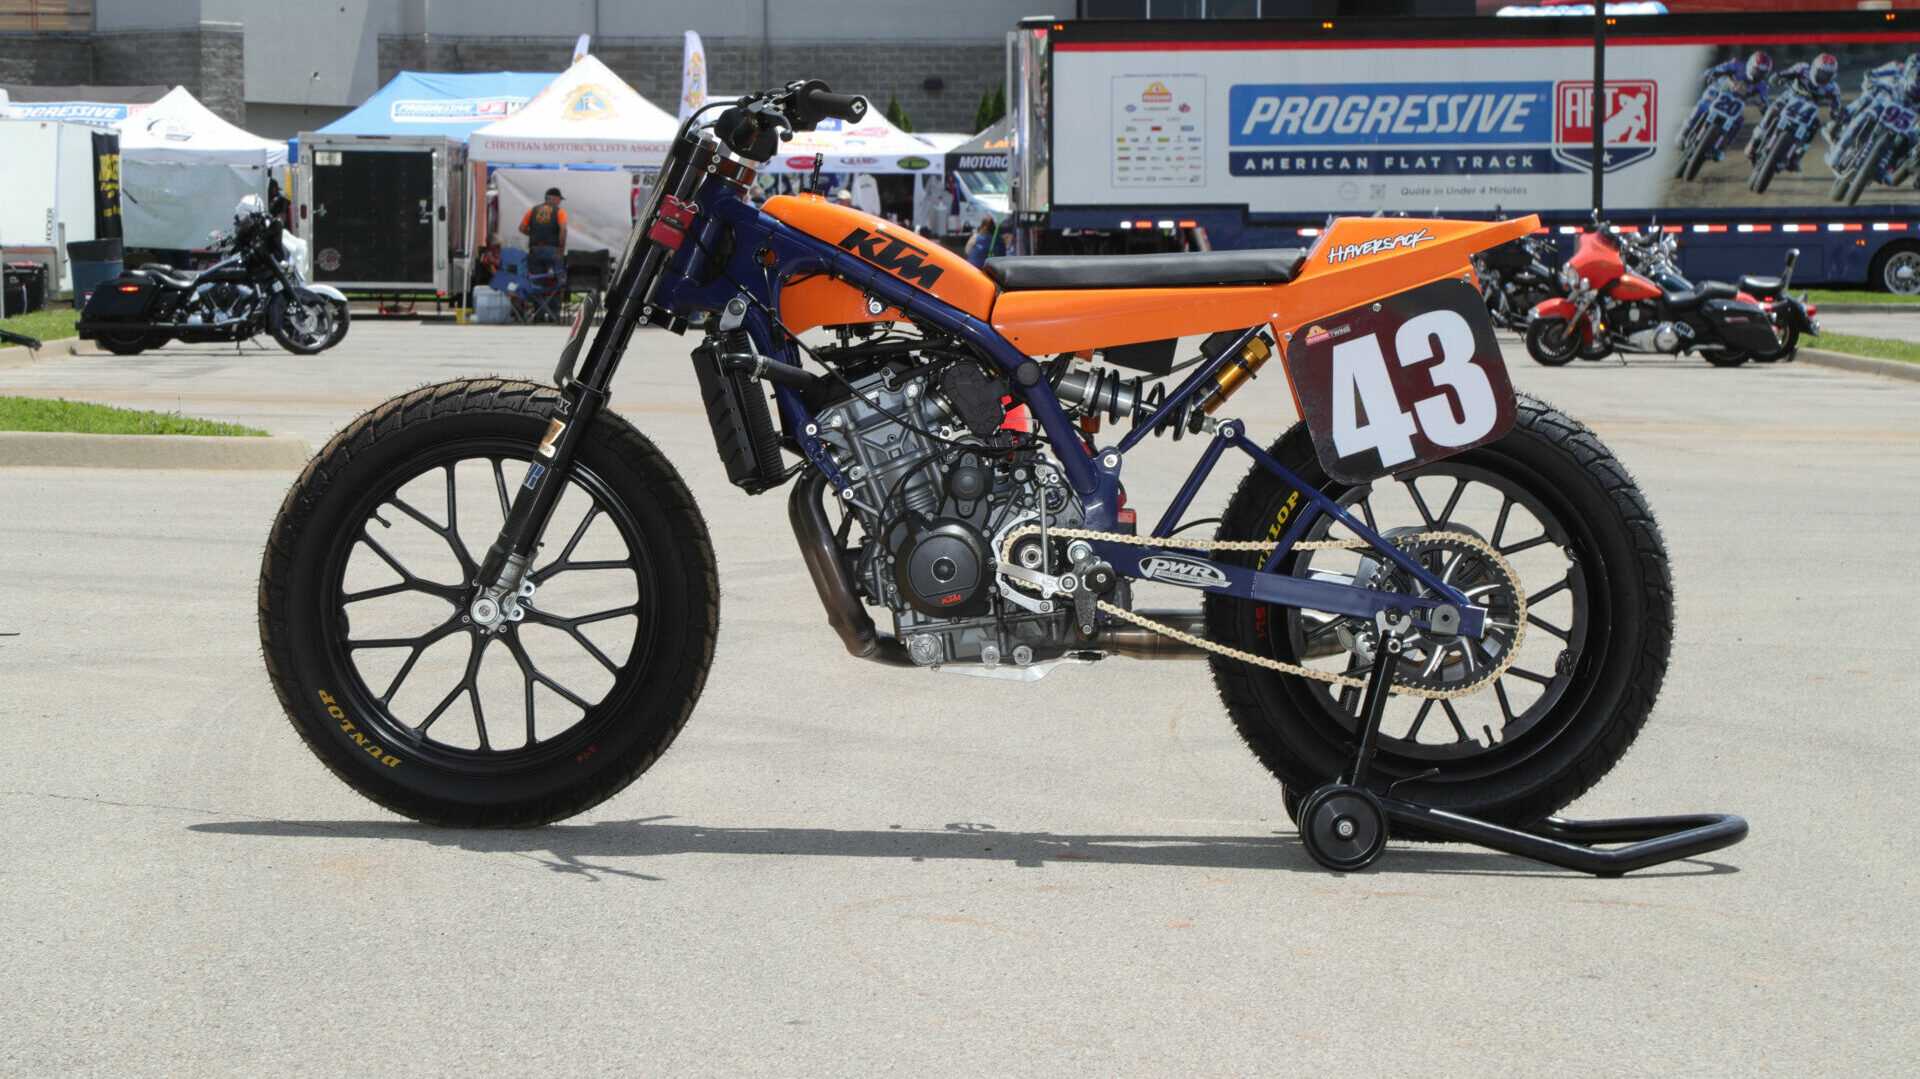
x=1883 y=272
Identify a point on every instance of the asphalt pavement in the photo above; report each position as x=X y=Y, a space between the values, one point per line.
x=843 y=869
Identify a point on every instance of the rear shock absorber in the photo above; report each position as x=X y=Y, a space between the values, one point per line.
x=1097 y=390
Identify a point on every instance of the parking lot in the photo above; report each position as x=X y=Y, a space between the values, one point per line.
x=842 y=868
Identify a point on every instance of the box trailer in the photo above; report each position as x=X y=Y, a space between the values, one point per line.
x=59 y=183
x=383 y=215
x=1141 y=135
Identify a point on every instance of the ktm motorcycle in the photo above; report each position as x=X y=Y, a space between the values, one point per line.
x=493 y=603
x=1609 y=308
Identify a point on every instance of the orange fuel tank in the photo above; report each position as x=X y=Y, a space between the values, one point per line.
x=894 y=248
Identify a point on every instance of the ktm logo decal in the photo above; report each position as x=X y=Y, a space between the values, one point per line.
x=898 y=256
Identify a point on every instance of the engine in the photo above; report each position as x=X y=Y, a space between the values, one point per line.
x=1640 y=324
x=938 y=485
x=220 y=301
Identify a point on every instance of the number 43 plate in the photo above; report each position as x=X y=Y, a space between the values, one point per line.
x=1394 y=385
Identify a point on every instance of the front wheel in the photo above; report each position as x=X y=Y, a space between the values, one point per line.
x=303 y=325
x=1587 y=660
x=1552 y=341
x=410 y=687
x=1867 y=169
x=1776 y=152
x=1728 y=357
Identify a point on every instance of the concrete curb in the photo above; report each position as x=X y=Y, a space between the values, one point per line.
x=1866 y=365
x=1867 y=308
x=197 y=453
x=21 y=356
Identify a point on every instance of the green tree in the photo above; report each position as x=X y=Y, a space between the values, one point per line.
x=983 y=112
x=896 y=115
x=999 y=104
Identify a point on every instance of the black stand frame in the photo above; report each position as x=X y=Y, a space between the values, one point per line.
x=1569 y=844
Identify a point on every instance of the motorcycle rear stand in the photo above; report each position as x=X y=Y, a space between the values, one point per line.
x=1343 y=825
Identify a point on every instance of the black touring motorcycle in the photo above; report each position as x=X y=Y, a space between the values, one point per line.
x=1432 y=606
x=257 y=287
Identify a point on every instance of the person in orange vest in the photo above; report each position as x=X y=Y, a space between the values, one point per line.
x=545 y=227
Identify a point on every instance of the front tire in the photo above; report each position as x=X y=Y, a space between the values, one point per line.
x=1588 y=556
x=370 y=631
x=1552 y=341
x=302 y=327
x=1776 y=150
x=1868 y=167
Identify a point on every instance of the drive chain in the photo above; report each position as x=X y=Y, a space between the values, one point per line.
x=1461 y=538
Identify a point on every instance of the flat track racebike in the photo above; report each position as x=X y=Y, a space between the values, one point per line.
x=494 y=603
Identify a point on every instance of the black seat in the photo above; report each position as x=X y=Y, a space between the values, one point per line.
x=1761 y=286
x=1701 y=293
x=167 y=274
x=1019 y=272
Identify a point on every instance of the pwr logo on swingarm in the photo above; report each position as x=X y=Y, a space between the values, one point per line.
x=1629 y=119
x=899 y=257
x=1186 y=572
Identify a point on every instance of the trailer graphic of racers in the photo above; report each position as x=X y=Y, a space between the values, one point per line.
x=1877 y=144
x=1722 y=110
x=1788 y=125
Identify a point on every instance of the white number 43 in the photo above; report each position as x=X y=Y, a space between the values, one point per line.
x=1367 y=411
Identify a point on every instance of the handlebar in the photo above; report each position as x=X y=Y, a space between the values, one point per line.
x=754 y=125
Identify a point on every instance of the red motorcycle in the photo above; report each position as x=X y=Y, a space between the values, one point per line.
x=1608 y=308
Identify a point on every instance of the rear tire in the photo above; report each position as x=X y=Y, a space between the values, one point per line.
x=130 y=343
x=549 y=716
x=1725 y=358
x=1522 y=749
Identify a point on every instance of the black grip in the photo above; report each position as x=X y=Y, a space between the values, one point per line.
x=848 y=107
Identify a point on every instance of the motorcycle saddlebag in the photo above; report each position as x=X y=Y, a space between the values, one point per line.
x=124 y=297
x=1742 y=325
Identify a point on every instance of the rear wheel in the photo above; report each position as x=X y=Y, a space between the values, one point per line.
x=424 y=699
x=1789 y=337
x=1584 y=551
x=1551 y=341
x=1725 y=357
x=130 y=343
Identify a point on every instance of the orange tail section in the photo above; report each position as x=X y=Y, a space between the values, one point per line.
x=1358 y=260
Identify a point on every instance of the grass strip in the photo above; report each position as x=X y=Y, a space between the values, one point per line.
x=80 y=417
x=50 y=324
x=1822 y=295
x=1878 y=347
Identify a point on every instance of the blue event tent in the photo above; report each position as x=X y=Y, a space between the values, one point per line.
x=429 y=103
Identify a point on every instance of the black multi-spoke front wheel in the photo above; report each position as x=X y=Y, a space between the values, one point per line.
x=1581 y=668
x=455 y=707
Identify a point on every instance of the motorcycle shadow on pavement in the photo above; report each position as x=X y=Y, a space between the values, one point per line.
x=584 y=849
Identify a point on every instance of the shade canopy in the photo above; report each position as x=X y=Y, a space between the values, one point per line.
x=428 y=103
x=870 y=145
x=586 y=116
x=177 y=129
x=102 y=106
x=986 y=152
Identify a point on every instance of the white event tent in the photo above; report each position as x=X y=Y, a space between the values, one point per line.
x=586 y=116
x=600 y=130
x=183 y=169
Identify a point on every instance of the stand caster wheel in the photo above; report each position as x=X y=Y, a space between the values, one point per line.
x=1342 y=827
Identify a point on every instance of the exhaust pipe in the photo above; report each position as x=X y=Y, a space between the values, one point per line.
x=1139 y=642
x=845 y=613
